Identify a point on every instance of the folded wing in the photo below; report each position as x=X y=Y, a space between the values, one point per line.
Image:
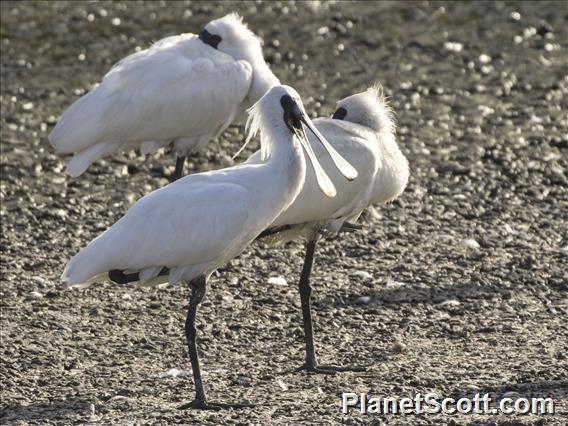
x=176 y=226
x=178 y=88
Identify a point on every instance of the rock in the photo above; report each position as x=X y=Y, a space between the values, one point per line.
x=280 y=281
x=398 y=347
x=41 y=282
x=362 y=274
x=173 y=372
x=453 y=46
x=363 y=300
x=470 y=244
x=449 y=302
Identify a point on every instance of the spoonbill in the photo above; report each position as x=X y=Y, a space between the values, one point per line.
x=186 y=89
x=191 y=227
x=362 y=131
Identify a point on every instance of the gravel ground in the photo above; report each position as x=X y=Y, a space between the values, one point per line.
x=459 y=287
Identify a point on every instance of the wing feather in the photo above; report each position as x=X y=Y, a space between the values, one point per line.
x=172 y=90
x=176 y=226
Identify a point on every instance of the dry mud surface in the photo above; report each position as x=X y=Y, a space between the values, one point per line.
x=480 y=92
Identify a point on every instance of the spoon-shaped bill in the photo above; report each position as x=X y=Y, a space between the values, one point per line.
x=341 y=163
x=323 y=180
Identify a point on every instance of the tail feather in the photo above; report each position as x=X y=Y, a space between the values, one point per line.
x=79 y=126
x=83 y=159
x=92 y=262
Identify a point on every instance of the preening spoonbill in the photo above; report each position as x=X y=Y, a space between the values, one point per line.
x=196 y=224
x=186 y=89
x=361 y=131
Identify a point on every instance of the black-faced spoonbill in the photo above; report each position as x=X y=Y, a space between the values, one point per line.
x=186 y=89
x=196 y=224
x=361 y=131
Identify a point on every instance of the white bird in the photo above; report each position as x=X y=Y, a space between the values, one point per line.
x=186 y=89
x=196 y=224
x=362 y=131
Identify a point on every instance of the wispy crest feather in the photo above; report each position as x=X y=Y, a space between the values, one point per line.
x=388 y=118
x=252 y=127
x=238 y=20
x=239 y=30
x=370 y=108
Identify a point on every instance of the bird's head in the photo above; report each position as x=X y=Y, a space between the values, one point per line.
x=281 y=107
x=368 y=108
x=230 y=35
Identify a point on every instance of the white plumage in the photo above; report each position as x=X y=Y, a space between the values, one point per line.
x=365 y=137
x=196 y=224
x=185 y=89
x=199 y=222
x=362 y=132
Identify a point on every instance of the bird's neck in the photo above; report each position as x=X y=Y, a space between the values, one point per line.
x=395 y=172
x=262 y=80
x=284 y=157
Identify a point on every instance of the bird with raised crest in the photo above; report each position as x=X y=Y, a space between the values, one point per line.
x=189 y=228
x=362 y=130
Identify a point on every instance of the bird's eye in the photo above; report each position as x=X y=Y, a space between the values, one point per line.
x=339 y=113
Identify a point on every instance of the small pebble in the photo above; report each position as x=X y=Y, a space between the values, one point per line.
x=277 y=281
x=470 y=244
x=121 y=171
x=449 y=302
x=173 y=372
x=398 y=347
x=453 y=46
x=393 y=283
x=41 y=282
x=362 y=274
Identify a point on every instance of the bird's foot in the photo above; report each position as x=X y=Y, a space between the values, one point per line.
x=351 y=227
x=346 y=227
x=329 y=369
x=213 y=406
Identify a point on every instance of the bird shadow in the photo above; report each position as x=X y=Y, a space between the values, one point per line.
x=411 y=293
x=72 y=410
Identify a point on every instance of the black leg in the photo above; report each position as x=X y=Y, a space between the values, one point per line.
x=198 y=287
x=305 y=296
x=179 y=169
x=311 y=363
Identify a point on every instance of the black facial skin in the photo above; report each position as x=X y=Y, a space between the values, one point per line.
x=339 y=113
x=292 y=113
x=212 y=40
